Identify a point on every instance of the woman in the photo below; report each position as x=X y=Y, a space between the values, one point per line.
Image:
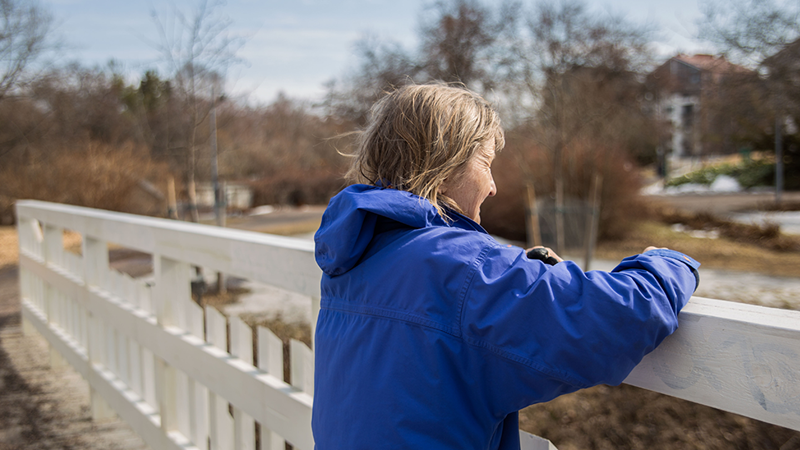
x=432 y=335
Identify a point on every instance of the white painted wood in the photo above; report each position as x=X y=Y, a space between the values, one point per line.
x=112 y=357
x=270 y=360
x=302 y=366
x=96 y=356
x=198 y=414
x=199 y=395
x=172 y=286
x=315 y=306
x=95 y=261
x=30 y=235
x=216 y=329
x=263 y=397
x=53 y=245
x=241 y=340
x=166 y=393
x=735 y=357
x=145 y=301
x=183 y=400
x=270 y=352
x=183 y=394
x=722 y=311
x=284 y=262
x=529 y=441
x=149 y=378
x=172 y=291
x=140 y=416
x=244 y=435
x=135 y=367
x=221 y=427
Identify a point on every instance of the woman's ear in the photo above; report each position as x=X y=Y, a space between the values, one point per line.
x=443 y=187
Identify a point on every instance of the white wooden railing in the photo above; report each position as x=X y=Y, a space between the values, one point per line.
x=165 y=366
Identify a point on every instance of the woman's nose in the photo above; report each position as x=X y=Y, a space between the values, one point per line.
x=493 y=188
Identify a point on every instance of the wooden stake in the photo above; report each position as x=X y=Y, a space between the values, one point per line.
x=172 y=202
x=534 y=234
x=593 y=220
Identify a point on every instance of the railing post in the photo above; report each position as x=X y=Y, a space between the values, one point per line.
x=270 y=360
x=244 y=435
x=53 y=244
x=24 y=238
x=95 y=273
x=53 y=251
x=220 y=421
x=50 y=253
x=315 y=306
x=302 y=366
x=198 y=394
x=172 y=287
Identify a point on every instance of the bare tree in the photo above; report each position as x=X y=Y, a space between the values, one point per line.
x=580 y=72
x=384 y=65
x=198 y=48
x=25 y=35
x=750 y=31
x=459 y=41
x=763 y=35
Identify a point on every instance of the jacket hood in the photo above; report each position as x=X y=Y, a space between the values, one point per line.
x=349 y=223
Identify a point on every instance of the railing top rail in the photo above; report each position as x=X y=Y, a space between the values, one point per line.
x=73 y=218
x=775 y=319
x=277 y=260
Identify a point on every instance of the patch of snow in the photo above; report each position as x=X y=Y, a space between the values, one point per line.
x=261 y=210
x=789 y=221
x=702 y=234
x=725 y=183
x=687 y=188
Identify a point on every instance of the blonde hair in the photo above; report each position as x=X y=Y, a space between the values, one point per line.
x=420 y=135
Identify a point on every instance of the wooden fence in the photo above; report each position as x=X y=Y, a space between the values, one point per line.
x=184 y=378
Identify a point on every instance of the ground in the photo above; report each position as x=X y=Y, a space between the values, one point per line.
x=41 y=407
x=34 y=414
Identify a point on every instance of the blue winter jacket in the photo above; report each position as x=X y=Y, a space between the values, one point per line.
x=433 y=335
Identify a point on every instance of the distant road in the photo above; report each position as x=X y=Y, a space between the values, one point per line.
x=281 y=218
x=723 y=204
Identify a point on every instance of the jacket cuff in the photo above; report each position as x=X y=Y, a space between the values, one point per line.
x=689 y=261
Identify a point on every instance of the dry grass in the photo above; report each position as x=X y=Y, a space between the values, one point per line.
x=281 y=229
x=285 y=331
x=9 y=247
x=722 y=253
x=212 y=297
x=626 y=417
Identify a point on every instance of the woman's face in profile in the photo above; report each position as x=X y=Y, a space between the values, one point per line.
x=470 y=187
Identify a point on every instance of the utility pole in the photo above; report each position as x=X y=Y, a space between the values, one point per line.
x=219 y=196
x=778 y=159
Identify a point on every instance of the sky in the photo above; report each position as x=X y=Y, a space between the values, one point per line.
x=295 y=46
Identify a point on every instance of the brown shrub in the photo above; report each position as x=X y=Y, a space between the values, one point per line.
x=296 y=186
x=96 y=175
x=620 y=204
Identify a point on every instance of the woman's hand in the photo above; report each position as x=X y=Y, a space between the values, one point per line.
x=654 y=248
x=542 y=253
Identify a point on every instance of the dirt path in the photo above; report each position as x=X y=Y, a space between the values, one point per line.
x=43 y=408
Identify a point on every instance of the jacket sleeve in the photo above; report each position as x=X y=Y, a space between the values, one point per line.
x=555 y=329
